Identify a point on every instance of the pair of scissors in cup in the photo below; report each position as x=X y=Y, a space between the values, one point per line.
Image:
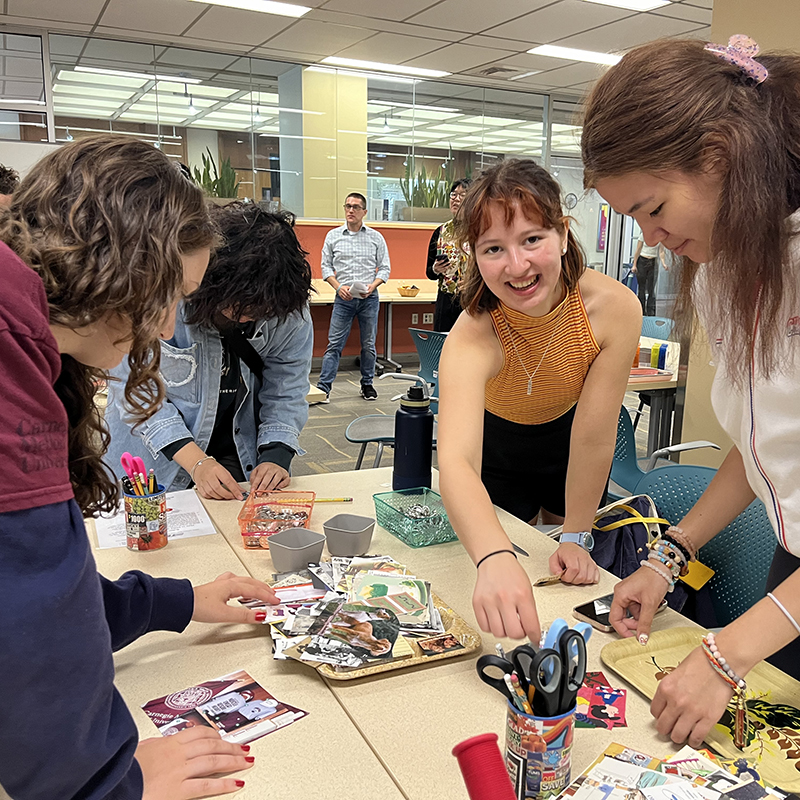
x=133 y=466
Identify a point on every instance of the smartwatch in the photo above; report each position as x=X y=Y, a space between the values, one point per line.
x=584 y=539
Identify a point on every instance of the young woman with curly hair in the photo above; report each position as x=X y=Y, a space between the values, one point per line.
x=236 y=368
x=531 y=381
x=102 y=239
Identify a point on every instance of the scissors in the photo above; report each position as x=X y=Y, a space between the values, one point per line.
x=572 y=652
x=543 y=671
x=133 y=466
x=492 y=669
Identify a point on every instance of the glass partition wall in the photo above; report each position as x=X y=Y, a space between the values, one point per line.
x=300 y=137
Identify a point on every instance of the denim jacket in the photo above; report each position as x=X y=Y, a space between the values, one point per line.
x=190 y=367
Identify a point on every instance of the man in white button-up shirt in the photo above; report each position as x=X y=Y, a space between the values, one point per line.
x=353 y=254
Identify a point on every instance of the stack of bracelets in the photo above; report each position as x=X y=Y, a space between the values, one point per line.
x=674 y=550
x=725 y=671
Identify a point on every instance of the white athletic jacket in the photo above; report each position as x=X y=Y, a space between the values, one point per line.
x=763 y=420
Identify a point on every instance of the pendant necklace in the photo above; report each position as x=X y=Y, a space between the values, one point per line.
x=532 y=375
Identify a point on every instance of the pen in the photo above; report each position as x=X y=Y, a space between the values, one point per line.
x=499 y=648
x=517 y=686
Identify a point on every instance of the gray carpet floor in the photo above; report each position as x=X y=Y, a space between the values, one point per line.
x=323 y=437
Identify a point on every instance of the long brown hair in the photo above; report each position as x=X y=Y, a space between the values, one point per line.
x=693 y=112
x=513 y=184
x=104 y=222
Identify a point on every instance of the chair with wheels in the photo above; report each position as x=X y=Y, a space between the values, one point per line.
x=625 y=469
x=377 y=428
x=429 y=346
x=740 y=554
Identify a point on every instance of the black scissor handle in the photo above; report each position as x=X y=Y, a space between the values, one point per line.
x=501 y=667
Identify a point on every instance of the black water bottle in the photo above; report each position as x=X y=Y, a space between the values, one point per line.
x=413 y=440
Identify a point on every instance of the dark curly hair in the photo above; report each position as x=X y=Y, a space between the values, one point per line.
x=9 y=180
x=104 y=221
x=260 y=271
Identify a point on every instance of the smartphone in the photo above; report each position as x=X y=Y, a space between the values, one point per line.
x=595 y=612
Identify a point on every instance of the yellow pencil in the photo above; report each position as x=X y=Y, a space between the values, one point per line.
x=526 y=706
x=333 y=500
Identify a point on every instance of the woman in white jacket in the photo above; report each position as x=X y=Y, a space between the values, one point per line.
x=713 y=174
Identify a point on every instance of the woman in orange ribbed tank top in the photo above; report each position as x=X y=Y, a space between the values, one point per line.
x=531 y=381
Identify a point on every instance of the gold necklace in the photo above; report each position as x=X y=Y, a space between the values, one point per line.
x=511 y=331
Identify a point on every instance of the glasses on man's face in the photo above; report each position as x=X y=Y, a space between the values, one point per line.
x=457 y=195
x=349 y=207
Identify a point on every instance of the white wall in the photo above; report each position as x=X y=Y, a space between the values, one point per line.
x=21 y=156
x=197 y=140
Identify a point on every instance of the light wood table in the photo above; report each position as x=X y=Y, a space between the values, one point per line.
x=412 y=718
x=322 y=754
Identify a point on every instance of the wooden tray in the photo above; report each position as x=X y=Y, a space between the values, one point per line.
x=453 y=624
x=773 y=701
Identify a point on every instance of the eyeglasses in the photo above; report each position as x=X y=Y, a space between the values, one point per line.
x=457 y=195
x=348 y=207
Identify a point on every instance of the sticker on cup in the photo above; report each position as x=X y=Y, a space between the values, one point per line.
x=146 y=521
x=538 y=753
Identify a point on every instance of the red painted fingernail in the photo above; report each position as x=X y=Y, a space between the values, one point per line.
x=245 y=747
x=250 y=759
x=239 y=784
x=261 y=616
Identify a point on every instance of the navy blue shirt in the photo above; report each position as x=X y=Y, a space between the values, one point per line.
x=65 y=731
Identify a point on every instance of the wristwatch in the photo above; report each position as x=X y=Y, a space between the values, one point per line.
x=584 y=539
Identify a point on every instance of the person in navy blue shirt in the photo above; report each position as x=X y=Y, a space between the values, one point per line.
x=103 y=233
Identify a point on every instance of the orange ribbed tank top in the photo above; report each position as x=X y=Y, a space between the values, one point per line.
x=559 y=378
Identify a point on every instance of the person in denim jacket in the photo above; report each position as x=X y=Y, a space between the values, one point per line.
x=221 y=422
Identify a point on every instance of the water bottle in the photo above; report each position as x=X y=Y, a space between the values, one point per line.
x=413 y=438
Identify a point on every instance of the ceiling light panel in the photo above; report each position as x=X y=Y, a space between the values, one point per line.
x=89 y=79
x=198 y=89
x=633 y=5
x=574 y=54
x=262 y=6
x=130 y=74
x=78 y=102
x=73 y=111
x=380 y=67
x=67 y=90
x=411 y=113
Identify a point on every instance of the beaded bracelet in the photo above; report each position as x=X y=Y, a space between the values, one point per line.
x=674 y=569
x=725 y=671
x=670 y=556
x=670 y=582
x=667 y=543
x=679 y=536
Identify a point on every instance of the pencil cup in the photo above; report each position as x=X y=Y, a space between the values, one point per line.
x=539 y=753
x=146 y=520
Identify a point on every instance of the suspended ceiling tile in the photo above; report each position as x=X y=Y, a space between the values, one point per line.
x=683 y=11
x=114 y=52
x=23 y=67
x=473 y=16
x=312 y=36
x=627 y=33
x=394 y=48
x=572 y=74
x=703 y=34
x=379 y=8
x=560 y=20
x=66 y=45
x=75 y=11
x=527 y=62
x=459 y=57
x=700 y=3
x=235 y=25
x=37 y=22
x=384 y=24
x=151 y=15
x=501 y=42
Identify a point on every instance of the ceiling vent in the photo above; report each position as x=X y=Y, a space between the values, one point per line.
x=495 y=72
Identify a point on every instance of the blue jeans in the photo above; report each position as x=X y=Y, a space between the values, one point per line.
x=344 y=311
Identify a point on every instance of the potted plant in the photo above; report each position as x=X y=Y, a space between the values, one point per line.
x=427 y=194
x=220 y=185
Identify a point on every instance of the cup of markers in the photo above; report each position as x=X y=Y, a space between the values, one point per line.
x=145 y=506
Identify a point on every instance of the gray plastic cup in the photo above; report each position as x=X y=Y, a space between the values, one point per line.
x=348 y=534
x=294 y=548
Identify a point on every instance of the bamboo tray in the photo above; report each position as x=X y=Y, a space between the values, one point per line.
x=453 y=624
x=773 y=699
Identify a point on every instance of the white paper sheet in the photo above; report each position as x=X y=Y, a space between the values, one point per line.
x=186 y=517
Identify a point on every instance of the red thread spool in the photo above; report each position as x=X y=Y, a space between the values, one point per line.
x=483 y=768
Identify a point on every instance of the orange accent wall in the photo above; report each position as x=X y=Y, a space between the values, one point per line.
x=408 y=247
x=408 y=252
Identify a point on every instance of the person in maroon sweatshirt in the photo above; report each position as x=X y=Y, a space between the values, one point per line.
x=102 y=239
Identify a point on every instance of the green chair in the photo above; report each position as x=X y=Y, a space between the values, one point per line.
x=376 y=428
x=740 y=554
x=429 y=346
x=625 y=470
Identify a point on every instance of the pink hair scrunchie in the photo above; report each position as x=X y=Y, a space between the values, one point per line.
x=741 y=51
